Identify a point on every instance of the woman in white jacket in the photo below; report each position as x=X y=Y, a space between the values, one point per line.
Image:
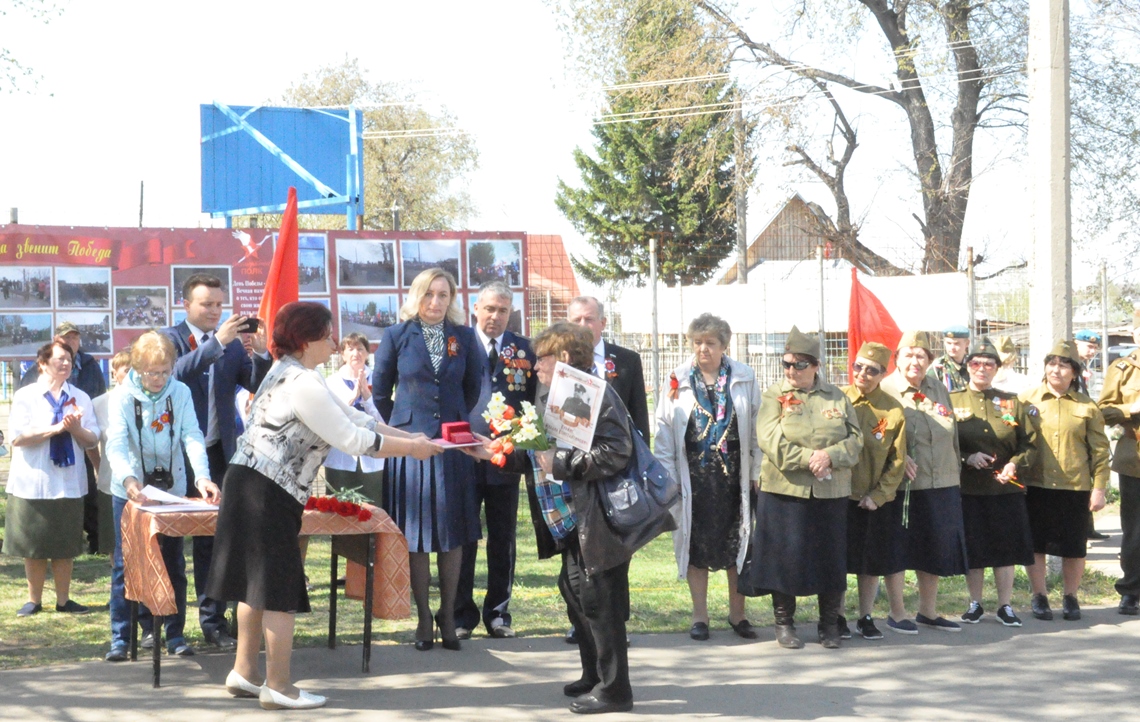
x=707 y=440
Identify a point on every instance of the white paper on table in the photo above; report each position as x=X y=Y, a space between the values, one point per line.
x=169 y=503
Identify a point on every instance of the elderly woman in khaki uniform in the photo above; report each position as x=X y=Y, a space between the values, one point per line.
x=935 y=537
x=876 y=544
x=811 y=438
x=1068 y=479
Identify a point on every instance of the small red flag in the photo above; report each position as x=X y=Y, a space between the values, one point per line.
x=283 y=284
x=868 y=320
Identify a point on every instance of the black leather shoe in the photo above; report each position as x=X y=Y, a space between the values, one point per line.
x=1097 y=536
x=579 y=688
x=744 y=629
x=1040 y=607
x=829 y=636
x=699 y=631
x=1129 y=604
x=589 y=704
x=786 y=637
x=450 y=644
x=423 y=645
x=222 y=640
x=572 y=636
x=1070 y=609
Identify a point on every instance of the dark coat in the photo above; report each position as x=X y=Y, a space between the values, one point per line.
x=496 y=380
x=629 y=380
x=424 y=400
x=90 y=379
x=232 y=368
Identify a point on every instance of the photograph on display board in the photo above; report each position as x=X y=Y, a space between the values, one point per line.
x=25 y=287
x=515 y=324
x=21 y=335
x=140 y=306
x=179 y=275
x=312 y=261
x=494 y=261
x=368 y=313
x=94 y=329
x=365 y=263
x=82 y=287
x=418 y=256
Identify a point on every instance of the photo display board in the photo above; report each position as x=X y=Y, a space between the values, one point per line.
x=115 y=283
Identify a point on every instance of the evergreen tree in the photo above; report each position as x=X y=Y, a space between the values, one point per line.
x=663 y=160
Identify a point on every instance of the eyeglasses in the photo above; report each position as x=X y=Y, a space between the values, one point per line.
x=982 y=364
x=871 y=371
x=155 y=374
x=797 y=365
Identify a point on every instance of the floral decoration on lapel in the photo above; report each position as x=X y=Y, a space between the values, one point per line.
x=160 y=423
x=673 y=385
x=193 y=343
x=452 y=346
x=789 y=402
x=880 y=427
x=611 y=367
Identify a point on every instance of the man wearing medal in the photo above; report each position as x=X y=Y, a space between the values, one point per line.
x=509 y=370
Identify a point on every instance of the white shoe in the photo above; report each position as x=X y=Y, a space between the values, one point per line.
x=239 y=686
x=272 y=699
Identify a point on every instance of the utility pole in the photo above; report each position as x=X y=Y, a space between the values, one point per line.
x=653 y=295
x=1050 y=292
x=741 y=195
x=140 y=203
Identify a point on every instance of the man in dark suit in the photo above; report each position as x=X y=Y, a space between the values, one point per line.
x=213 y=363
x=507 y=369
x=87 y=375
x=621 y=368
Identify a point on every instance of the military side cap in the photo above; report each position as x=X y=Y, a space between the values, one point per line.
x=876 y=352
x=65 y=328
x=1087 y=336
x=915 y=339
x=799 y=342
x=1006 y=349
x=1066 y=349
x=983 y=347
x=956 y=332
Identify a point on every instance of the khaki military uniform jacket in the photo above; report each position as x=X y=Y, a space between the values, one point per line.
x=1121 y=390
x=883 y=458
x=1072 y=452
x=931 y=434
x=995 y=423
x=791 y=424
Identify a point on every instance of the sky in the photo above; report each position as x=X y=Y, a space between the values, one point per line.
x=120 y=82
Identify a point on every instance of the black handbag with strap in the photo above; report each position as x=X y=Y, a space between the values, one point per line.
x=638 y=502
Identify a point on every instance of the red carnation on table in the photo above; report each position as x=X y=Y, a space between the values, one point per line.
x=364 y=515
x=325 y=504
x=311 y=503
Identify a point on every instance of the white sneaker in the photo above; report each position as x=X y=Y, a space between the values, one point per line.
x=272 y=699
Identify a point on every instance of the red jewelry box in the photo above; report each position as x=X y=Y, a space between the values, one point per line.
x=457 y=432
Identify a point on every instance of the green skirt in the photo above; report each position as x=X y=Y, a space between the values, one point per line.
x=44 y=528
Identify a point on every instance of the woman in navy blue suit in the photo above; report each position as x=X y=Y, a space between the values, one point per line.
x=433 y=364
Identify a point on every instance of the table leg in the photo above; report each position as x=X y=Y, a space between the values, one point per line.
x=369 y=579
x=332 y=602
x=134 y=631
x=157 y=651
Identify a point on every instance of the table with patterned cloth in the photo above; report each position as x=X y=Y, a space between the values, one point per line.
x=146 y=580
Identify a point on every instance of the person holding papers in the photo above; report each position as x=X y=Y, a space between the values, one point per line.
x=151 y=422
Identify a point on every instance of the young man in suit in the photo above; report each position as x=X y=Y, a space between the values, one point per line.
x=508 y=370
x=213 y=363
x=621 y=368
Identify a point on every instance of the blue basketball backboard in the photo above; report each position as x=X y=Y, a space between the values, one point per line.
x=252 y=155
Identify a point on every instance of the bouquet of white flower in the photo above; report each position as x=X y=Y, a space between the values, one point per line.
x=512 y=430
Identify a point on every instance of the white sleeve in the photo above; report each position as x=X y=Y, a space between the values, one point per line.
x=340 y=425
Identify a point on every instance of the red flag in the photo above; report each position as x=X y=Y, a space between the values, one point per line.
x=868 y=320
x=282 y=285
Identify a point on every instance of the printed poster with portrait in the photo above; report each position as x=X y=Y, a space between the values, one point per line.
x=571 y=413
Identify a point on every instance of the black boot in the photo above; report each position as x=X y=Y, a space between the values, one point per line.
x=829 y=608
x=784 y=609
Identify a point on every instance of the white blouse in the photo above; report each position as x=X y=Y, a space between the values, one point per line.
x=33 y=475
x=337 y=459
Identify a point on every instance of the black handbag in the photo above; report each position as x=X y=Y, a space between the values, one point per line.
x=638 y=502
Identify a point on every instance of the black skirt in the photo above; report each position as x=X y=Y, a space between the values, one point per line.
x=997 y=530
x=800 y=545
x=876 y=540
x=1059 y=521
x=935 y=535
x=257 y=559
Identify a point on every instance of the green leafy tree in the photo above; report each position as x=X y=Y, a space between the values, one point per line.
x=13 y=73
x=424 y=175
x=656 y=173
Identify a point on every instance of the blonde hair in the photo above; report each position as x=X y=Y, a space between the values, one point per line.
x=121 y=359
x=419 y=289
x=152 y=349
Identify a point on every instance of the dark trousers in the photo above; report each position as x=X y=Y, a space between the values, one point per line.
x=1130 y=544
x=594 y=606
x=91 y=509
x=211 y=612
x=501 y=507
